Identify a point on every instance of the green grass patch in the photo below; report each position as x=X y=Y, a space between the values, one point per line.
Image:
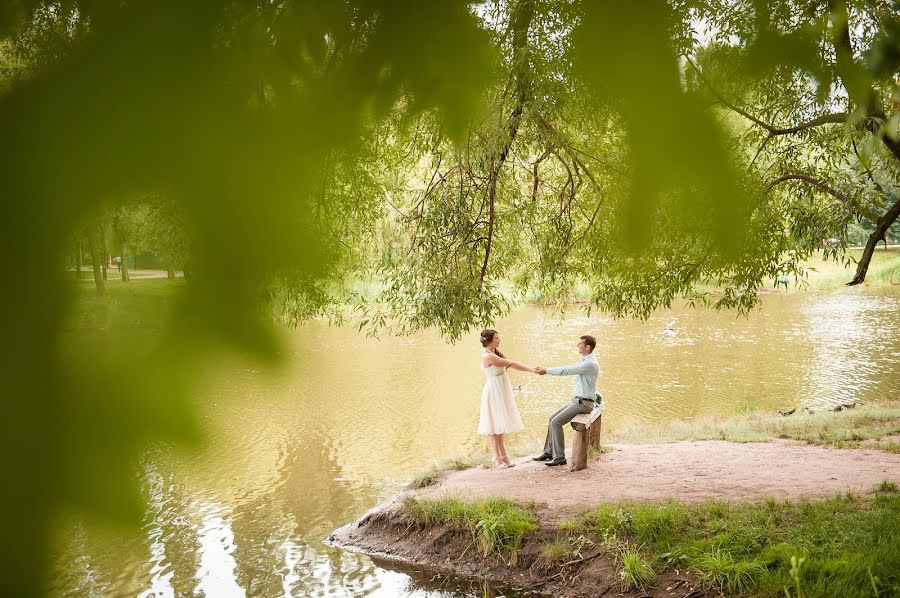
x=497 y=525
x=137 y=304
x=887 y=486
x=844 y=429
x=846 y=546
x=636 y=571
x=891 y=447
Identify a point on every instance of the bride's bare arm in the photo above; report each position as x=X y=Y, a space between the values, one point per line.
x=492 y=359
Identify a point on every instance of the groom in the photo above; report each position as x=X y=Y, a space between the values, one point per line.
x=586 y=373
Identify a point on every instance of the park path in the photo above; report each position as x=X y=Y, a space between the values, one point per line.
x=690 y=471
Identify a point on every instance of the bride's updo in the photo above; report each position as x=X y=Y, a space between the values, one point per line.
x=487 y=337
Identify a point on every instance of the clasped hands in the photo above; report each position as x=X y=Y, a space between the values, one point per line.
x=539 y=370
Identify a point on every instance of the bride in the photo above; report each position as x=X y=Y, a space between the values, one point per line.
x=499 y=414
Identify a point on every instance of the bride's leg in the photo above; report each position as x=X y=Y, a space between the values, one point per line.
x=494 y=451
x=501 y=445
x=496 y=448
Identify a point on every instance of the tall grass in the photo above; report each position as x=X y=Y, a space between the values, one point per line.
x=846 y=546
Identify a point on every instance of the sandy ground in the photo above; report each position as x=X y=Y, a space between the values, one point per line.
x=688 y=471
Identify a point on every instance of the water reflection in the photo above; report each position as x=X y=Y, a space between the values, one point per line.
x=291 y=455
x=216 y=574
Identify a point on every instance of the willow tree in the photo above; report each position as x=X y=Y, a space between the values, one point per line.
x=583 y=168
x=817 y=85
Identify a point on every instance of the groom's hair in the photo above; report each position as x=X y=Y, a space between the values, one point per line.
x=590 y=341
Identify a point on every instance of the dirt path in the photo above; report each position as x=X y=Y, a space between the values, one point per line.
x=688 y=471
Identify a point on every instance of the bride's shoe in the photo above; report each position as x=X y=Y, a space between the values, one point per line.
x=499 y=464
x=507 y=461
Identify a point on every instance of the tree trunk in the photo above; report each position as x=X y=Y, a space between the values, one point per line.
x=124 y=263
x=96 y=257
x=170 y=273
x=884 y=223
x=522 y=17
x=78 y=261
x=104 y=251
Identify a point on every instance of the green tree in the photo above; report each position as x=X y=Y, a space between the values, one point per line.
x=816 y=83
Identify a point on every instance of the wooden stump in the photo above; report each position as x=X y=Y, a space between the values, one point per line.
x=595 y=433
x=580 y=450
x=587 y=437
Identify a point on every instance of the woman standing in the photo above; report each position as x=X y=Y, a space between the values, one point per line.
x=499 y=414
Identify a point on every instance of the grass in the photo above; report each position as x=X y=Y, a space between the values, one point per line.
x=427 y=477
x=138 y=304
x=845 y=429
x=821 y=275
x=846 y=546
x=884 y=269
x=497 y=525
x=636 y=571
x=556 y=552
x=891 y=447
x=887 y=486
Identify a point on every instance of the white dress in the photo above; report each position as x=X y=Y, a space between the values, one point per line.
x=499 y=414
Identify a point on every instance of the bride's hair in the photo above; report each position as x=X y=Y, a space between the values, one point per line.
x=487 y=337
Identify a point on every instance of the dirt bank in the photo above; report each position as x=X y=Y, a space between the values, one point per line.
x=686 y=471
x=435 y=553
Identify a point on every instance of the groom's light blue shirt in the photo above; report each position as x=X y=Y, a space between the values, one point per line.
x=586 y=373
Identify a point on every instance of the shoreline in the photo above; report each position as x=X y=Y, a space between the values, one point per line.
x=686 y=475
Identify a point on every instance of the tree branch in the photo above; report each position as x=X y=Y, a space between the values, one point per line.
x=818 y=184
x=836 y=118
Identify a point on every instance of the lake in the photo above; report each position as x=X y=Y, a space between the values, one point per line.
x=289 y=455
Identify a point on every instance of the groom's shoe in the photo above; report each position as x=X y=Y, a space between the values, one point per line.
x=555 y=462
x=543 y=457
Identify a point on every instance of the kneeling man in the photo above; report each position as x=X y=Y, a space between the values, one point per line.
x=586 y=373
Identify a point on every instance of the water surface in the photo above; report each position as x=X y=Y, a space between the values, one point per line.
x=293 y=454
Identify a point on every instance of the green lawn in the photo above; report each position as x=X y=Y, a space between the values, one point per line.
x=135 y=304
x=883 y=269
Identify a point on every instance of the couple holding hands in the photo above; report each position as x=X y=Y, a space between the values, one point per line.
x=499 y=414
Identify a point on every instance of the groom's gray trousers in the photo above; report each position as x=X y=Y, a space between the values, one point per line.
x=555 y=444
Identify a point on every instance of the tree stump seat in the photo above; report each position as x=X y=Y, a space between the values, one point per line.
x=587 y=434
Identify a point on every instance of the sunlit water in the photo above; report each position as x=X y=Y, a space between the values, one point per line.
x=291 y=455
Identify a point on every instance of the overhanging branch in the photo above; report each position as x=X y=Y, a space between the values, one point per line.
x=825 y=119
x=817 y=183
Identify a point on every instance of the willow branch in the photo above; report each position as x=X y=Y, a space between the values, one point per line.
x=817 y=183
x=835 y=118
